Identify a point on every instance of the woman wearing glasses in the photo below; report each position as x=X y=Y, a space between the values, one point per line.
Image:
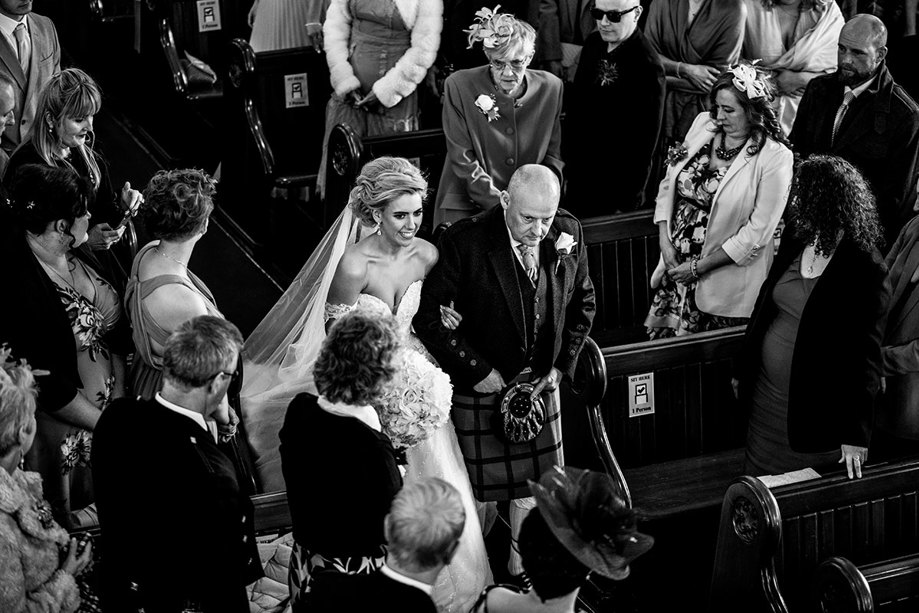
x=378 y=52
x=162 y=292
x=496 y=118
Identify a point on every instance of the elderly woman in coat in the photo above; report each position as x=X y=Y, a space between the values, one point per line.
x=497 y=118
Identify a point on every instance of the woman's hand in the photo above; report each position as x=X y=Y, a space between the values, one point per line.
x=854 y=456
x=75 y=563
x=682 y=274
x=102 y=237
x=449 y=317
x=701 y=76
x=251 y=18
x=131 y=199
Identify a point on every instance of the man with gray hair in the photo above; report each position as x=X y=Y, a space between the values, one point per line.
x=422 y=529
x=518 y=276
x=175 y=524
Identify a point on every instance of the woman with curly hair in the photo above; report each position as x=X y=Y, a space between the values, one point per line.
x=811 y=363
x=162 y=292
x=718 y=207
x=372 y=263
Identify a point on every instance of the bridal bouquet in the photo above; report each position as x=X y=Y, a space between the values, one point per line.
x=416 y=402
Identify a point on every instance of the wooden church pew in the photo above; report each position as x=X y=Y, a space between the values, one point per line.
x=770 y=542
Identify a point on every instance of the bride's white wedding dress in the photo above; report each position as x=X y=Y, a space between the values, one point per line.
x=438 y=455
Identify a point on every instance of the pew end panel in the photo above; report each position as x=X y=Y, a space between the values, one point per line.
x=749 y=533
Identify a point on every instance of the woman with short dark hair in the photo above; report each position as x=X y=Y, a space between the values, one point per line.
x=162 y=292
x=66 y=318
x=340 y=431
x=811 y=363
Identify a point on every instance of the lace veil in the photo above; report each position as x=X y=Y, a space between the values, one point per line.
x=280 y=352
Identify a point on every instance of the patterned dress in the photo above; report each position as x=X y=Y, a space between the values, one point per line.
x=61 y=450
x=673 y=309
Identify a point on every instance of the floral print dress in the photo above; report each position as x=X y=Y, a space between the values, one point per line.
x=673 y=308
x=61 y=450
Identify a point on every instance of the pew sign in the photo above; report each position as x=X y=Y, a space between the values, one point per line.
x=295 y=91
x=641 y=395
x=208 y=15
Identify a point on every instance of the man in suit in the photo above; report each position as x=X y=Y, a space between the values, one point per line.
x=896 y=431
x=29 y=56
x=422 y=529
x=174 y=521
x=860 y=114
x=518 y=276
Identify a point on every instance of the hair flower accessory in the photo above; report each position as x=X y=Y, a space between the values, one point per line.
x=488 y=104
x=748 y=81
x=490 y=27
x=563 y=246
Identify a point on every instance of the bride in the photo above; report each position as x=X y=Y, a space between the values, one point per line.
x=370 y=260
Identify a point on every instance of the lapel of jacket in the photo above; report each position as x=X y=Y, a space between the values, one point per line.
x=549 y=256
x=9 y=56
x=503 y=263
x=911 y=263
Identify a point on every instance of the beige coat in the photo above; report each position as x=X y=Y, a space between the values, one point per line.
x=746 y=209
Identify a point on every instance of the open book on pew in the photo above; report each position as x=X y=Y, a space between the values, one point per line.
x=795 y=476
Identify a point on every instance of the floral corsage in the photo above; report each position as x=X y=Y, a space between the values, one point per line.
x=675 y=154
x=488 y=104
x=416 y=402
x=563 y=246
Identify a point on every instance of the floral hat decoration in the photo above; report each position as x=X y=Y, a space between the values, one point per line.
x=748 y=80
x=492 y=28
x=586 y=512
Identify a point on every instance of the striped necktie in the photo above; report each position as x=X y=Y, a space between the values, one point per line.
x=843 y=108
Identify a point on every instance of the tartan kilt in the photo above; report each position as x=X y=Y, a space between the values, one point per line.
x=497 y=469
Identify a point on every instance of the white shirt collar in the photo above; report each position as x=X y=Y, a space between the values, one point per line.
x=515 y=244
x=365 y=414
x=198 y=418
x=424 y=587
x=861 y=88
x=8 y=24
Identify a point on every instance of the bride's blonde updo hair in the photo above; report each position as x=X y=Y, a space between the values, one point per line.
x=381 y=181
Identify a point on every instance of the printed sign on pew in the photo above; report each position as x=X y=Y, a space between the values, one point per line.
x=641 y=394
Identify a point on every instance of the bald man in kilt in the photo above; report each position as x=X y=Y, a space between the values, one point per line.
x=517 y=274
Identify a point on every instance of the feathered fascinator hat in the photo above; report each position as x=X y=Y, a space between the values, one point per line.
x=492 y=28
x=587 y=514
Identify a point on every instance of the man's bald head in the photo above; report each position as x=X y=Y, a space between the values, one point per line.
x=861 y=50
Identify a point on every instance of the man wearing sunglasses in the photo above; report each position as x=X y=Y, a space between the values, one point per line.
x=617 y=100
x=175 y=522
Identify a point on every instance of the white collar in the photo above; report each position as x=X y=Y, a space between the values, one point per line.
x=198 y=418
x=8 y=24
x=365 y=414
x=858 y=91
x=424 y=587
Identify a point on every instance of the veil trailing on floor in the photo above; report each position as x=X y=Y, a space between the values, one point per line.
x=280 y=353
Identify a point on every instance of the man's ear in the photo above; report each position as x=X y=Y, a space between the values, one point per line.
x=505 y=198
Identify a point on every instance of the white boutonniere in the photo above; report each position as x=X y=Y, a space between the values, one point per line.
x=488 y=105
x=563 y=246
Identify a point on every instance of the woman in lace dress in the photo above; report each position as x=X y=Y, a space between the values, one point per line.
x=376 y=271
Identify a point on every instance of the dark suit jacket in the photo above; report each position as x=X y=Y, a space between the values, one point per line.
x=611 y=129
x=334 y=592
x=477 y=271
x=835 y=370
x=173 y=517
x=879 y=135
x=898 y=407
x=45 y=62
x=349 y=467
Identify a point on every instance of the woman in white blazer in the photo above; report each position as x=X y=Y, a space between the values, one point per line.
x=718 y=207
x=378 y=52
